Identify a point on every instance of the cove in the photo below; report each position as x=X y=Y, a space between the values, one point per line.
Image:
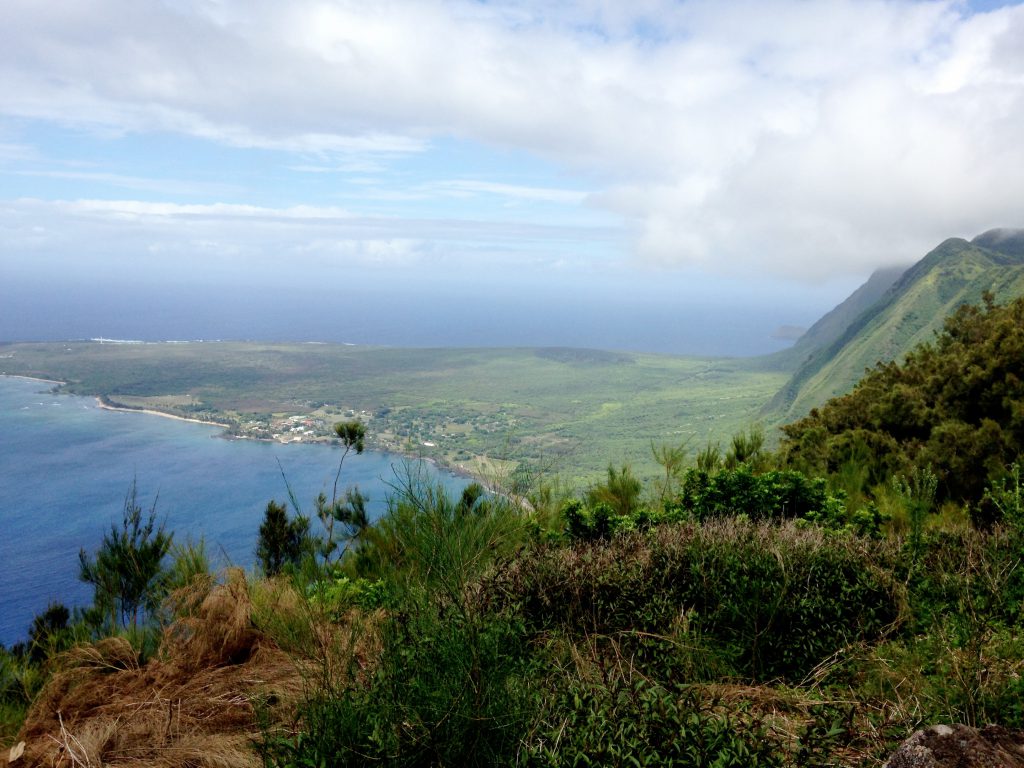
x=66 y=466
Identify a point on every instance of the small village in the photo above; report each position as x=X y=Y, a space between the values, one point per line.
x=315 y=427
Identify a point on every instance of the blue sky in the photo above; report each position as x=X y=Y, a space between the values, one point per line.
x=737 y=152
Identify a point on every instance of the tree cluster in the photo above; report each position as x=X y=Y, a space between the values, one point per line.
x=955 y=405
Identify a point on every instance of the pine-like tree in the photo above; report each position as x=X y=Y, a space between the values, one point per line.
x=282 y=541
x=127 y=571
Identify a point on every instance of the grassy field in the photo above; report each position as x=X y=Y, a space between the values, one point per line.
x=568 y=412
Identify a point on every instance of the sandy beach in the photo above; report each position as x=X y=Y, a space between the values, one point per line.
x=30 y=378
x=105 y=407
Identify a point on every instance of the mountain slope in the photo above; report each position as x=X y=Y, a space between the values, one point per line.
x=908 y=313
x=833 y=325
x=830 y=327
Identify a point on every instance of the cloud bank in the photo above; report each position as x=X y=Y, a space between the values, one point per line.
x=801 y=139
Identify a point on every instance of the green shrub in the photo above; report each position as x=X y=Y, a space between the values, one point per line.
x=49 y=633
x=127 y=572
x=638 y=723
x=776 y=600
x=342 y=593
x=1003 y=501
x=427 y=540
x=773 y=495
x=959 y=656
x=957 y=672
x=283 y=542
x=20 y=680
x=965 y=570
x=599 y=522
x=445 y=693
x=778 y=494
x=620 y=492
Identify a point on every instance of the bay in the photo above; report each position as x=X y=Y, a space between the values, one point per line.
x=67 y=464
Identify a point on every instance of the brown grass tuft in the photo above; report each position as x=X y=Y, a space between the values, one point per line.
x=218 y=630
x=193 y=705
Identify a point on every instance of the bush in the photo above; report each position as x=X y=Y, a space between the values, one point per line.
x=445 y=693
x=20 y=681
x=774 y=600
x=960 y=658
x=599 y=522
x=342 y=593
x=967 y=571
x=638 y=723
x=778 y=494
x=1003 y=501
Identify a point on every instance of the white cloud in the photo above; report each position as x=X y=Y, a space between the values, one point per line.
x=141 y=183
x=11 y=152
x=139 y=209
x=805 y=138
x=196 y=239
x=468 y=188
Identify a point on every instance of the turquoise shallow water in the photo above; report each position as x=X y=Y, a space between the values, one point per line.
x=66 y=465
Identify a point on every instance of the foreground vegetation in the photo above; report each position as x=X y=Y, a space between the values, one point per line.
x=747 y=607
x=461 y=632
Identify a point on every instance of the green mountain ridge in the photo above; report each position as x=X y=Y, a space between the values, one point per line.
x=833 y=325
x=909 y=312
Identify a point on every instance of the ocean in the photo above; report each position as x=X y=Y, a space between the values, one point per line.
x=66 y=466
x=666 y=318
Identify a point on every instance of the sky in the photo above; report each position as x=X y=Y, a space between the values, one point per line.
x=723 y=155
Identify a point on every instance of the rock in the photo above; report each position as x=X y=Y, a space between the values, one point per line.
x=960 y=746
x=16 y=752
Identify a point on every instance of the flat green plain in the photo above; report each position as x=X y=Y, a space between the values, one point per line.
x=560 y=412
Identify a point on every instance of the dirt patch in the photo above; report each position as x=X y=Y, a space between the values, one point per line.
x=960 y=746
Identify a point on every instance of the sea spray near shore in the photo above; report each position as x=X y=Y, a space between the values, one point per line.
x=66 y=464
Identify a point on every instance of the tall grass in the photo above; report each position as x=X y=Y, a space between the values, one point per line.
x=444 y=689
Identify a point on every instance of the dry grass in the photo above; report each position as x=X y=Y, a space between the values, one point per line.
x=193 y=705
x=330 y=650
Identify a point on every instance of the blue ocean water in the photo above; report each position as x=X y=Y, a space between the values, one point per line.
x=655 y=315
x=66 y=466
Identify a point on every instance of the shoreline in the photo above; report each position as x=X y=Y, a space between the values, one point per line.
x=104 y=406
x=439 y=465
x=32 y=378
